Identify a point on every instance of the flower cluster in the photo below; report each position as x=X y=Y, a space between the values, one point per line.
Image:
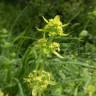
x=54 y=27
x=47 y=46
x=38 y=81
x=2 y=94
x=90 y=89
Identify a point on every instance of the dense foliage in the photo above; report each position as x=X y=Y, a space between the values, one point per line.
x=47 y=48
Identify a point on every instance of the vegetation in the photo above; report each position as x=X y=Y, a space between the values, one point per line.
x=47 y=48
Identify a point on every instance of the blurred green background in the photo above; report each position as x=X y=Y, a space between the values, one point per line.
x=17 y=15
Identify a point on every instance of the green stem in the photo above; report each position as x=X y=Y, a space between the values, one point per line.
x=20 y=87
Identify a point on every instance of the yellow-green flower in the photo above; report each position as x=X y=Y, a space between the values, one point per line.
x=54 y=46
x=38 y=81
x=54 y=27
x=42 y=46
x=2 y=93
x=90 y=89
x=47 y=47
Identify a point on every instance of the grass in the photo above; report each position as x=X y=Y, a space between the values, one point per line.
x=44 y=58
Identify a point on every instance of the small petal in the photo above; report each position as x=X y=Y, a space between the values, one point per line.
x=45 y=19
